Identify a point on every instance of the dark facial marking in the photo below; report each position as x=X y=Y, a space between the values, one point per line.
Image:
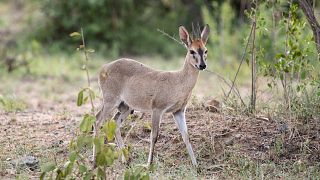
x=194 y=57
x=200 y=51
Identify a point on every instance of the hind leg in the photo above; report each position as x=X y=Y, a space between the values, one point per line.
x=123 y=113
x=101 y=116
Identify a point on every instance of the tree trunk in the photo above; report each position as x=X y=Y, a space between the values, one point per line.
x=307 y=8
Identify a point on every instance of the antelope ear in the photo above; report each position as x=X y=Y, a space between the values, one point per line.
x=184 y=36
x=205 y=34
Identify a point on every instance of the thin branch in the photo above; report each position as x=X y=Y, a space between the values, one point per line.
x=253 y=61
x=171 y=37
x=241 y=62
x=125 y=139
x=87 y=71
x=235 y=90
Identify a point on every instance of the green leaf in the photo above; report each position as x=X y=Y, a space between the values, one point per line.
x=80 y=98
x=68 y=168
x=303 y=75
x=147 y=126
x=99 y=142
x=280 y=55
x=87 y=123
x=247 y=61
x=127 y=175
x=82 y=169
x=281 y=76
x=110 y=129
x=109 y=160
x=88 y=176
x=73 y=156
x=101 y=173
x=48 y=167
x=43 y=174
x=84 y=123
x=125 y=152
x=60 y=174
x=83 y=140
x=145 y=176
x=75 y=34
x=100 y=159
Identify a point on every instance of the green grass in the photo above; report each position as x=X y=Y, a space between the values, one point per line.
x=12 y=104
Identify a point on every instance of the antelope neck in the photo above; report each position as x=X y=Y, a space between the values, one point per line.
x=189 y=73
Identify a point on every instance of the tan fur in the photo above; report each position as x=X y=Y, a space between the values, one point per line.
x=144 y=88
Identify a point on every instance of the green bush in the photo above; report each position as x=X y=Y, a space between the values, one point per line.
x=115 y=27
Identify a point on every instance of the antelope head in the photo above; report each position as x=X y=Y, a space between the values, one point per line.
x=197 y=51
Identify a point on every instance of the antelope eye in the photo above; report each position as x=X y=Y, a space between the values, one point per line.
x=192 y=52
x=206 y=51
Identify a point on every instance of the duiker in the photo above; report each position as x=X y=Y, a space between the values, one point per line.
x=129 y=85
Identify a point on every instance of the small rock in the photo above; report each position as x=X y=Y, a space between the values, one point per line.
x=229 y=142
x=283 y=127
x=27 y=161
x=212 y=105
x=237 y=136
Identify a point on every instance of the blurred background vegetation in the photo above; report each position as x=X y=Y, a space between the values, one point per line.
x=129 y=27
x=35 y=32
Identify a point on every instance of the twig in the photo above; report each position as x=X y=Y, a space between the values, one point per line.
x=242 y=59
x=145 y=140
x=171 y=37
x=236 y=91
x=125 y=139
x=87 y=71
x=253 y=61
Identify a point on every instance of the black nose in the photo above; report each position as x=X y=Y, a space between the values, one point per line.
x=202 y=66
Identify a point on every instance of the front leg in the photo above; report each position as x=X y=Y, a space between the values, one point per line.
x=180 y=119
x=156 y=117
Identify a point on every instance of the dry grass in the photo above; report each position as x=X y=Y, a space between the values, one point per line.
x=226 y=145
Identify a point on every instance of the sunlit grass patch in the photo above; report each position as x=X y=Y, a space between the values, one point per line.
x=12 y=104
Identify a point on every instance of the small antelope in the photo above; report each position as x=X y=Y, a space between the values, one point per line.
x=130 y=85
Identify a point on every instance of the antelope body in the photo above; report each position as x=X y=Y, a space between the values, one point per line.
x=130 y=85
